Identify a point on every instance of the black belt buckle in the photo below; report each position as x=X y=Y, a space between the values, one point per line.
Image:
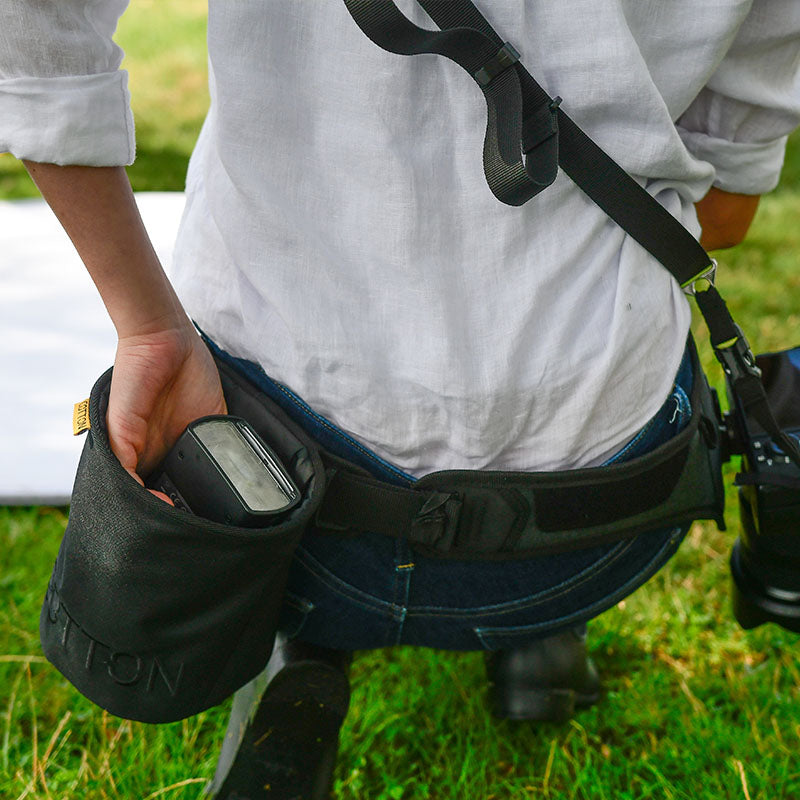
x=737 y=358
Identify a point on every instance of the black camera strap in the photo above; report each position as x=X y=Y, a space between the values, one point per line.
x=522 y=119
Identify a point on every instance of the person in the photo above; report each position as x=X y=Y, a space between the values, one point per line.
x=340 y=248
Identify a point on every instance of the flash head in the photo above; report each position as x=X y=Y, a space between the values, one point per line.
x=221 y=469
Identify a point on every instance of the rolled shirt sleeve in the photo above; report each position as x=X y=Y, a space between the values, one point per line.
x=740 y=121
x=63 y=98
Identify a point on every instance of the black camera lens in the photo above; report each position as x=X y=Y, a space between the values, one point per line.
x=765 y=566
x=765 y=562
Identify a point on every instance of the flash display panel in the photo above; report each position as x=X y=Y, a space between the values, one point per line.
x=250 y=468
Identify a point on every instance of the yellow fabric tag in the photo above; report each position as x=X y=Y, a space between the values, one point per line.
x=80 y=417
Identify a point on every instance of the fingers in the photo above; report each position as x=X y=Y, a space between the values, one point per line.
x=159 y=495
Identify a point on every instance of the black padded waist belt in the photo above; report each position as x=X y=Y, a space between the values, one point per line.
x=155 y=614
x=495 y=515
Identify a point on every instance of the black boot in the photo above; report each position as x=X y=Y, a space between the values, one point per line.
x=283 y=732
x=544 y=680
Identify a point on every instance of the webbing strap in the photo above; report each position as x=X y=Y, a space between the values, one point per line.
x=474 y=47
x=518 y=111
x=358 y=502
x=522 y=116
x=733 y=352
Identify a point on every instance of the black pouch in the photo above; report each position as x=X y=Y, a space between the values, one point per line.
x=155 y=614
x=781 y=379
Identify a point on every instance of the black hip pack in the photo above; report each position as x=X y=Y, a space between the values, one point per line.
x=156 y=614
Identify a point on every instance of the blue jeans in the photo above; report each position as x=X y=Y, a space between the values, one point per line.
x=372 y=590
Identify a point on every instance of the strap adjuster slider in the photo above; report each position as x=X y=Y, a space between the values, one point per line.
x=506 y=57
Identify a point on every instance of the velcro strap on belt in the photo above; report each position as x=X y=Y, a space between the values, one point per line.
x=355 y=502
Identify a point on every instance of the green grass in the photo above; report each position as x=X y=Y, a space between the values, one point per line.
x=694 y=707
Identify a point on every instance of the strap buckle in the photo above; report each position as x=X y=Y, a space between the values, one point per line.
x=709 y=275
x=436 y=523
x=506 y=57
x=737 y=358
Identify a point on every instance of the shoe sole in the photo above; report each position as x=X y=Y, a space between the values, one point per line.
x=286 y=749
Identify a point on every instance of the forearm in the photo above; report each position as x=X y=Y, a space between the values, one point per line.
x=97 y=209
x=725 y=218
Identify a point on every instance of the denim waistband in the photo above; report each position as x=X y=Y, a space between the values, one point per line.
x=339 y=443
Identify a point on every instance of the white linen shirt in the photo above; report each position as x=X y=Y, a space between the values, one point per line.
x=339 y=230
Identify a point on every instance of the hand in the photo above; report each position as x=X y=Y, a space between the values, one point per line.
x=162 y=381
x=164 y=376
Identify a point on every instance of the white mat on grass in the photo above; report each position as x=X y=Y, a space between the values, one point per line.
x=55 y=340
